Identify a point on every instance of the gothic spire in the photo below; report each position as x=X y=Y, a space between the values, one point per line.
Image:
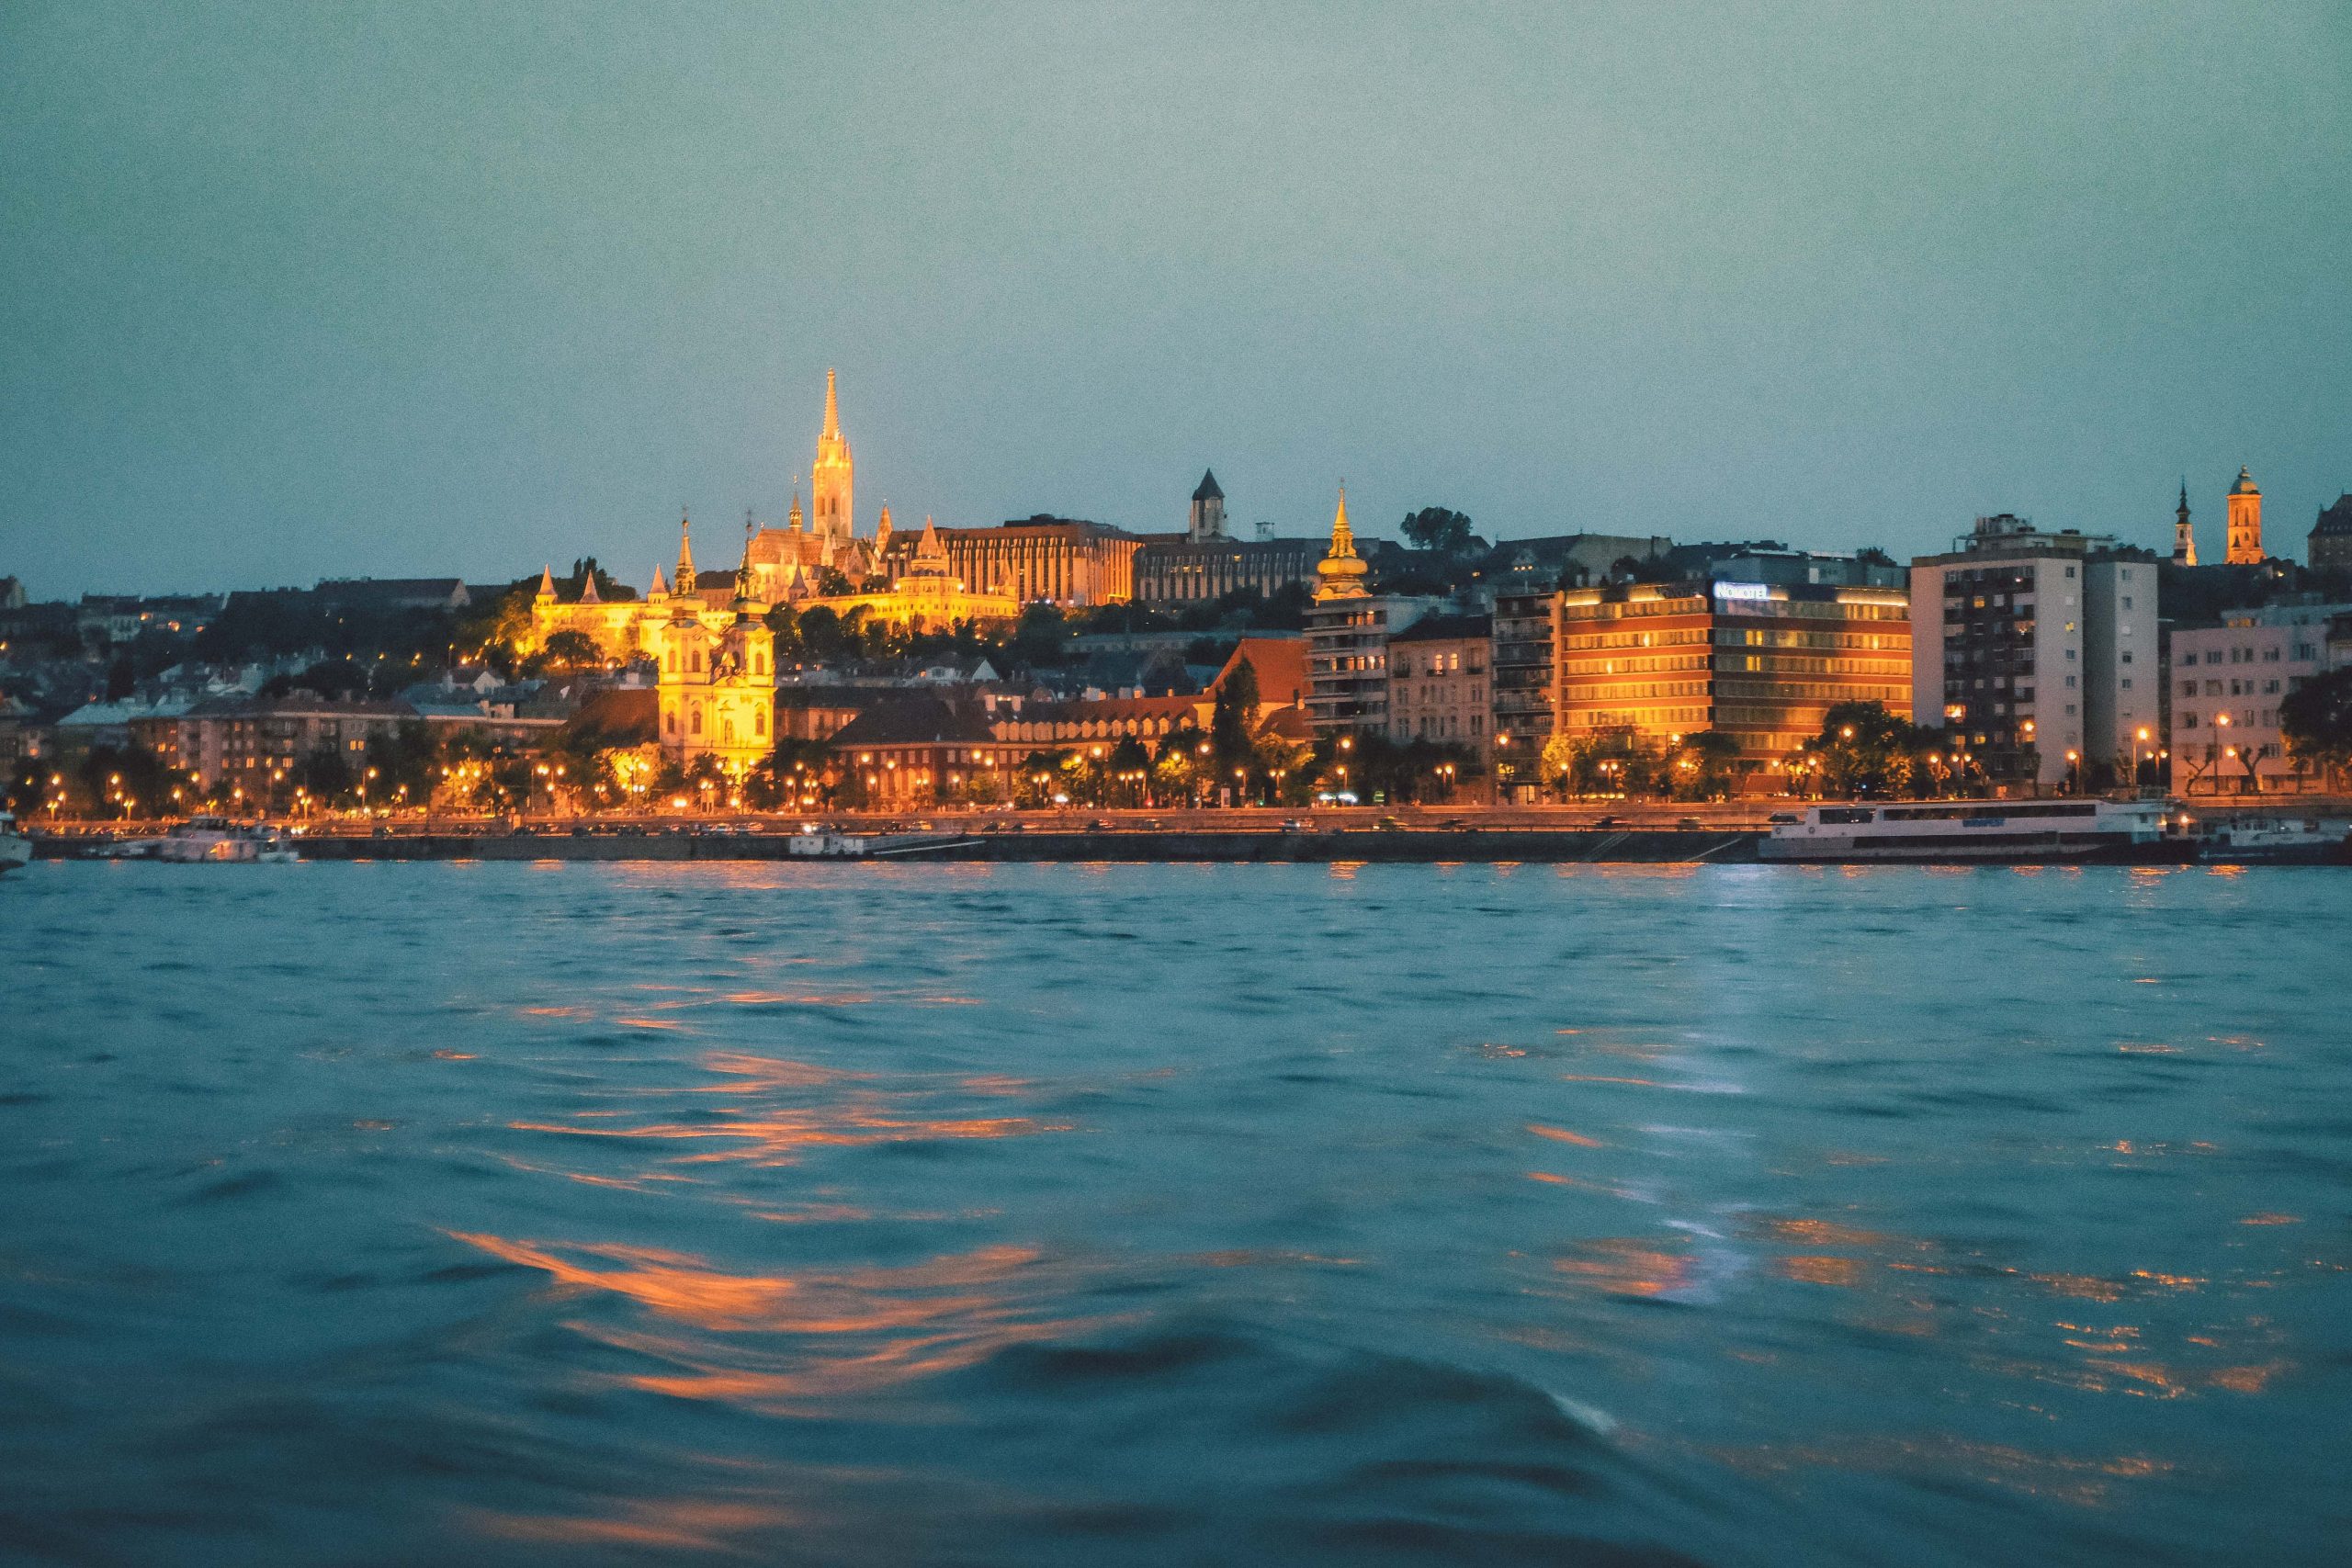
x=832 y=409
x=685 y=555
x=547 y=581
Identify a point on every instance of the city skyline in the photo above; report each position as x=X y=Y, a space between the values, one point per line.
x=413 y=292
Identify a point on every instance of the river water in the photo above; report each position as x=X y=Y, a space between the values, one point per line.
x=550 y=1214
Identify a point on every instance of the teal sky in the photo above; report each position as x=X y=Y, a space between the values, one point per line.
x=307 y=289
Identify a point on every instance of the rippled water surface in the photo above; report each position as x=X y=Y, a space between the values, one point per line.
x=581 y=1214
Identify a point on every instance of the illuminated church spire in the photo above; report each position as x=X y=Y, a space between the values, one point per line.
x=2184 y=537
x=685 y=555
x=1342 y=571
x=2246 y=522
x=829 y=481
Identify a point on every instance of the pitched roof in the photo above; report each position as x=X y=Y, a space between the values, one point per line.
x=1280 y=664
x=916 y=720
x=2336 y=519
x=1208 y=490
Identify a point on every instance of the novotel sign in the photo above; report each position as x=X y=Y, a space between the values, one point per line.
x=1743 y=591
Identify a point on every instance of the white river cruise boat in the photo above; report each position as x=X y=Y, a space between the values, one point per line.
x=2017 y=832
x=15 y=848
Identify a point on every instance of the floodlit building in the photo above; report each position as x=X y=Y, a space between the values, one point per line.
x=716 y=691
x=1760 y=662
x=2037 y=651
x=2246 y=522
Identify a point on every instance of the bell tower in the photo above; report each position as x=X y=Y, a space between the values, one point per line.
x=829 y=481
x=2184 y=537
x=2246 y=522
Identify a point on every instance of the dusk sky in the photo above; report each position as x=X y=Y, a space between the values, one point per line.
x=305 y=290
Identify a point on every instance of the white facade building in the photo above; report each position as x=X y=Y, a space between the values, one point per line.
x=2038 y=654
x=2227 y=682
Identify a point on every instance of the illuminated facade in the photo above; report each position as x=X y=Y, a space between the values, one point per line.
x=2184 y=535
x=2246 y=522
x=815 y=559
x=1761 y=663
x=1052 y=560
x=928 y=594
x=716 y=691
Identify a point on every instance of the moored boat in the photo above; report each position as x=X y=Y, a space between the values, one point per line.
x=2272 y=840
x=15 y=848
x=217 y=839
x=2024 y=832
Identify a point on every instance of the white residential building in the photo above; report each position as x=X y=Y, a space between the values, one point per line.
x=2037 y=651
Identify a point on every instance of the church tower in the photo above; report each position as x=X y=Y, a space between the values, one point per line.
x=1341 y=573
x=2246 y=522
x=829 y=481
x=2184 y=537
x=716 y=692
x=686 y=576
x=1208 y=509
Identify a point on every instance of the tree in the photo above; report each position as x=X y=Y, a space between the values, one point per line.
x=1235 y=717
x=1864 y=750
x=2316 y=719
x=1439 y=528
x=571 y=649
x=1871 y=554
x=1701 y=768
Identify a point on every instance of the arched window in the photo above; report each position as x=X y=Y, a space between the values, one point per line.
x=694 y=660
x=673 y=662
x=760 y=722
x=670 y=722
x=727 y=730
x=695 y=724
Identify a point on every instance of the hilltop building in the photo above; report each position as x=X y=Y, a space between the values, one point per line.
x=1203 y=563
x=2246 y=522
x=2184 y=537
x=2329 y=546
x=818 y=558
